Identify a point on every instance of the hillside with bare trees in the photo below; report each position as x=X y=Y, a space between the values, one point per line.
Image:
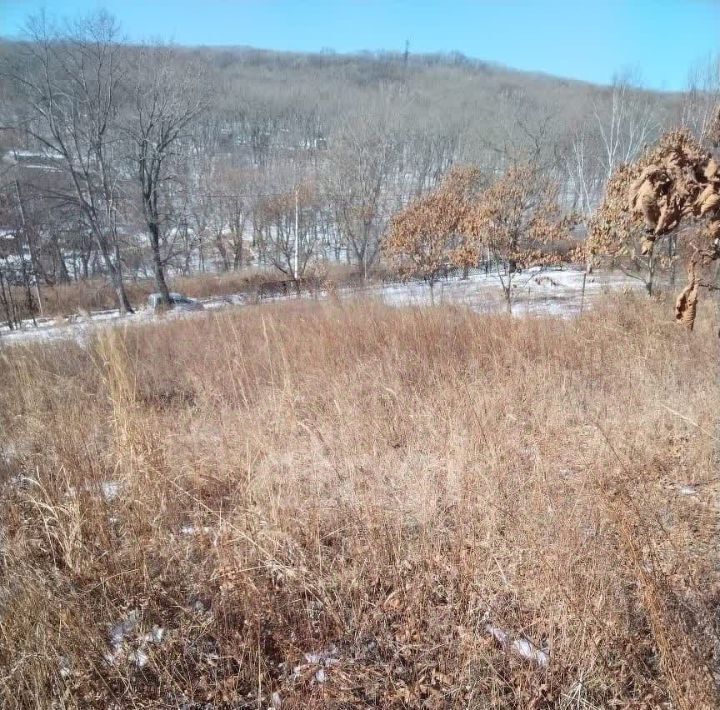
x=269 y=160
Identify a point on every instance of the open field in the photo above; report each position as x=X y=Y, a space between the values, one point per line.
x=336 y=505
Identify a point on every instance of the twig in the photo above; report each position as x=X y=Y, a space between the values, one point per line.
x=690 y=421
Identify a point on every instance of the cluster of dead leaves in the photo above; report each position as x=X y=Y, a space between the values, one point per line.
x=421 y=237
x=517 y=220
x=674 y=183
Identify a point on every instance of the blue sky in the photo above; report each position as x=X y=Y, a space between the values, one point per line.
x=583 y=39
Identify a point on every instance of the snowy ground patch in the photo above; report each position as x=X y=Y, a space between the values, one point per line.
x=556 y=292
x=553 y=292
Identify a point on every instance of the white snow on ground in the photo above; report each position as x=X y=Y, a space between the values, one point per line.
x=110 y=490
x=535 y=292
x=519 y=646
x=548 y=292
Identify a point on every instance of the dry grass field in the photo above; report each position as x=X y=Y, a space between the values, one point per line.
x=348 y=505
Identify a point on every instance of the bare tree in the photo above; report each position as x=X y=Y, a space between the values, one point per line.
x=166 y=101
x=70 y=81
x=360 y=181
x=233 y=209
x=287 y=222
x=16 y=274
x=626 y=121
x=702 y=99
x=584 y=170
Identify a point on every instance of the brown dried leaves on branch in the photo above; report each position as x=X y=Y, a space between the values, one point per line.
x=423 y=236
x=674 y=183
x=519 y=220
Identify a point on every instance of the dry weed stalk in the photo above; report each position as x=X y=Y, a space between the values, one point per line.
x=684 y=649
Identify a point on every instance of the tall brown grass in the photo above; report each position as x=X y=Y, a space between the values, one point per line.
x=372 y=486
x=97 y=294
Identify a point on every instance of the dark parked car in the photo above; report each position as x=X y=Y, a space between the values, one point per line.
x=179 y=302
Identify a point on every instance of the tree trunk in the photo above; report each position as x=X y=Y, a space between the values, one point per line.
x=508 y=292
x=222 y=251
x=238 y=254
x=29 y=235
x=63 y=275
x=115 y=271
x=4 y=299
x=158 y=266
x=116 y=274
x=651 y=274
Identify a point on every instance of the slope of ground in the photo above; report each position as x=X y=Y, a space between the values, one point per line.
x=326 y=505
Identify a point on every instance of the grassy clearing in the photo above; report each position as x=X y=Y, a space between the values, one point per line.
x=190 y=509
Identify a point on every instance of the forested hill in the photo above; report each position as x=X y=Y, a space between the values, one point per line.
x=292 y=158
x=481 y=107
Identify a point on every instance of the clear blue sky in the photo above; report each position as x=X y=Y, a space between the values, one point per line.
x=584 y=39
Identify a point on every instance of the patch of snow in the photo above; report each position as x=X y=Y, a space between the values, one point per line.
x=65 y=667
x=155 y=636
x=192 y=530
x=123 y=635
x=520 y=646
x=110 y=490
x=523 y=647
x=198 y=606
x=325 y=659
x=555 y=292
x=124 y=627
x=139 y=658
x=51 y=154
